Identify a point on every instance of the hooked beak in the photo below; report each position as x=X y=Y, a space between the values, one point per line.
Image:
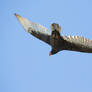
x=50 y=54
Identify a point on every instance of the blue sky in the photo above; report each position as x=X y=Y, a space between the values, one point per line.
x=25 y=65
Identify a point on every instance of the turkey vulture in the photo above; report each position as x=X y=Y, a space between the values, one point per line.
x=54 y=39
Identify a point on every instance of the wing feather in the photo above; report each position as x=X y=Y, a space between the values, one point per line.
x=35 y=29
x=77 y=43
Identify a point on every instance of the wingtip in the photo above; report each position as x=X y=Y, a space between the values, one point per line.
x=25 y=23
x=16 y=15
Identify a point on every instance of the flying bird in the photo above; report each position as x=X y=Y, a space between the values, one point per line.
x=54 y=39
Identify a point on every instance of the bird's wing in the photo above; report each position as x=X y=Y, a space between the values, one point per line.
x=77 y=43
x=35 y=29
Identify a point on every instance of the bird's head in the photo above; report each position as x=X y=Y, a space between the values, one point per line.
x=56 y=27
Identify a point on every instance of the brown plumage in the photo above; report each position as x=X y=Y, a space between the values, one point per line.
x=57 y=42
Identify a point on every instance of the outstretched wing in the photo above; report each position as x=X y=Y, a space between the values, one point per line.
x=77 y=43
x=35 y=29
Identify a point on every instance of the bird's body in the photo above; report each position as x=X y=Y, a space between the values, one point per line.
x=54 y=39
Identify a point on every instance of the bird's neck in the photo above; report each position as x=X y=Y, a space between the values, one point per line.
x=55 y=33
